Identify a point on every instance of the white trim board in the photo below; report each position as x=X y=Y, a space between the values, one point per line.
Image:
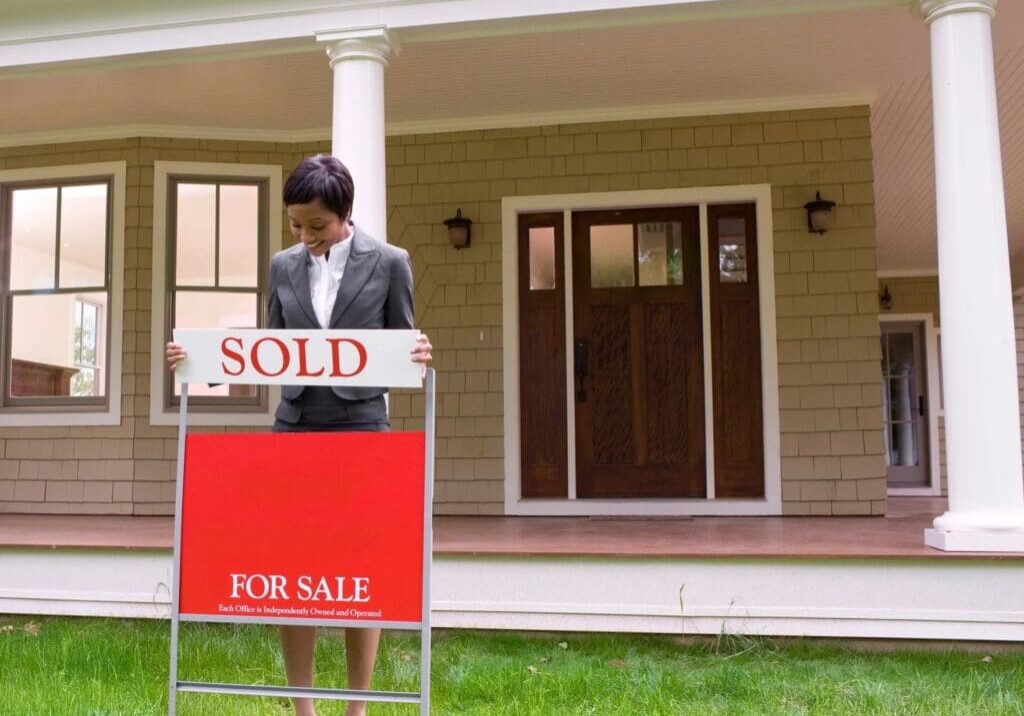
x=112 y=414
x=857 y=598
x=641 y=112
x=452 y=124
x=86 y=582
x=169 y=131
x=933 y=598
x=908 y=273
x=161 y=171
x=760 y=194
x=931 y=358
x=705 y=307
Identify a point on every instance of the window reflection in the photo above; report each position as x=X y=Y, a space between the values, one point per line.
x=66 y=358
x=611 y=256
x=33 y=238
x=732 y=250
x=542 y=258
x=660 y=253
x=899 y=399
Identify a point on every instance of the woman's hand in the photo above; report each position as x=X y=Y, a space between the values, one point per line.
x=176 y=354
x=421 y=353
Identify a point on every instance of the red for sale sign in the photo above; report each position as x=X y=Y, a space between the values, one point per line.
x=304 y=526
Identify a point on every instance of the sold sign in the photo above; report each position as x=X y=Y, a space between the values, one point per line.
x=376 y=358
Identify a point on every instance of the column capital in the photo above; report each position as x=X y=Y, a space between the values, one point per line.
x=932 y=10
x=359 y=43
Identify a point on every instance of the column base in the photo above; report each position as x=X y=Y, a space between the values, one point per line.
x=963 y=541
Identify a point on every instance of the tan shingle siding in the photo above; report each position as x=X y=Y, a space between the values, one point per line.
x=826 y=301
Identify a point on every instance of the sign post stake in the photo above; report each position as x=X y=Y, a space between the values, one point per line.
x=385 y=346
x=428 y=540
x=176 y=573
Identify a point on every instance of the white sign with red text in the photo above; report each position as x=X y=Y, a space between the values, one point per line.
x=376 y=358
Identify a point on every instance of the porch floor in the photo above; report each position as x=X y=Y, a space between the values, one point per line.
x=900 y=534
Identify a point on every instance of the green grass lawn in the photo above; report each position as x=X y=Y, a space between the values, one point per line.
x=94 y=667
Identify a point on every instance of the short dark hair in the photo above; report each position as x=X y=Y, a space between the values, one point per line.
x=321 y=177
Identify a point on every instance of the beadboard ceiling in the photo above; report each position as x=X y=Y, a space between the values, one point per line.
x=646 y=67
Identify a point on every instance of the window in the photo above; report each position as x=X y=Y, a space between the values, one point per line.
x=214 y=231
x=61 y=288
x=217 y=239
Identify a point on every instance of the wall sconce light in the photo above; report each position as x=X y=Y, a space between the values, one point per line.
x=819 y=214
x=459 y=230
x=885 y=300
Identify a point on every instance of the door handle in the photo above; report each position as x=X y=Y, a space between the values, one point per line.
x=580 y=365
x=920 y=405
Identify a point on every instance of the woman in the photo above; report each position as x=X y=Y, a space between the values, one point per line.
x=336 y=276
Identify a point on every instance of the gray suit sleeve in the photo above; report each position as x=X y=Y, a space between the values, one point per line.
x=398 y=311
x=275 y=318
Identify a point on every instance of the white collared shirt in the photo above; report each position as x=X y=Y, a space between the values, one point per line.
x=325 y=279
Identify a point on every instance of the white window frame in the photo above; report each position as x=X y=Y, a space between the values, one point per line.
x=272 y=173
x=111 y=414
x=511 y=208
x=931 y=361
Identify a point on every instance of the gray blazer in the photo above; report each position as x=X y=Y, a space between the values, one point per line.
x=375 y=292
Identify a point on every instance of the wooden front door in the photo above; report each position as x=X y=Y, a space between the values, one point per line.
x=638 y=353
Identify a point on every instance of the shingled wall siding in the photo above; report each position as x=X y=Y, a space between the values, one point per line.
x=829 y=368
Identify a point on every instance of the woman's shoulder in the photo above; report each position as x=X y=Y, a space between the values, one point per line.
x=284 y=254
x=364 y=242
x=394 y=252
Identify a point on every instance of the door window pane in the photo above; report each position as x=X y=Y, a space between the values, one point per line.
x=542 y=258
x=611 y=256
x=83 y=235
x=209 y=309
x=196 y=234
x=239 y=234
x=660 y=253
x=33 y=238
x=49 y=362
x=732 y=250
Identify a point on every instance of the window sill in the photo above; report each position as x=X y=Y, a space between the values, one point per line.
x=56 y=418
x=228 y=419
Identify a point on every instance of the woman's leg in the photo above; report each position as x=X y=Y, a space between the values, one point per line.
x=298 y=644
x=361 y=650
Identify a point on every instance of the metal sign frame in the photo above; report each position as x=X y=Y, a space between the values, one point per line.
x=422 y=697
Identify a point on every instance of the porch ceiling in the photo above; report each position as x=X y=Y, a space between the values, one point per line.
x=641 y=67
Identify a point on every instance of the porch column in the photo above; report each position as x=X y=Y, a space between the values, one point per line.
x=358 y=58
x=979 y=371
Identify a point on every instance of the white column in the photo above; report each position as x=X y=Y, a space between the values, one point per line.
x=358 y=58
x=983 y=442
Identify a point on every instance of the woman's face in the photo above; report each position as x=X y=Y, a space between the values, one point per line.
x=316 y=226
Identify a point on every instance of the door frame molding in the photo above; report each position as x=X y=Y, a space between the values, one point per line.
x=931 y=361
x=511 y=207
